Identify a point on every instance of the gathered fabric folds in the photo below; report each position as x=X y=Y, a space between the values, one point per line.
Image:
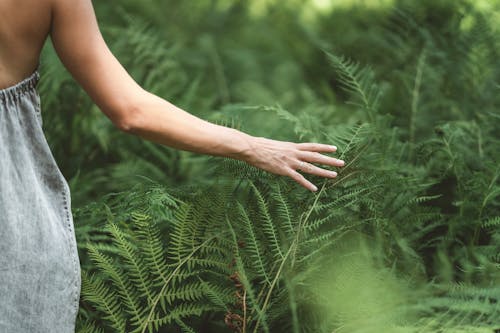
x=39 y=265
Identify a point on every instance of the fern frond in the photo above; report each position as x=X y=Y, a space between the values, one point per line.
x=267 y=223
x=120 y=280
x=136 y=268
x=253 y=245
x=185 y=328
x=152 y=250
x=218 y=295
x=188 y=291
x=284 y=210
x=94 y=291
x=359 y=81
x=492 y=223
x=89 y=327
x=177 y=313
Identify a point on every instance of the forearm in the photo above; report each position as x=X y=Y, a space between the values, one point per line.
x=157 y=120
x=82 y=49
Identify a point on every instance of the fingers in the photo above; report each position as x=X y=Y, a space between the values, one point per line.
x=314 y=170
x=311 y=152
x=302 y=180
x=287 y=158
x=315 y=157
x=316 y=147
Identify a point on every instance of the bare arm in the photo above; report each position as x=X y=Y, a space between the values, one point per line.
x=82 y=49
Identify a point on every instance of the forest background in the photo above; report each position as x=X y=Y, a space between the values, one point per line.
x=406 y=239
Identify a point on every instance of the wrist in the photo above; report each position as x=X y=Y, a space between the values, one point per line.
x=242 y=145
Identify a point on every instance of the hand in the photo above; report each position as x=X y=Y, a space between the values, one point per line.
x=285 y=158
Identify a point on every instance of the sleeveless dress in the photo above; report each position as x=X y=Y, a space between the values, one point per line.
x=39 y=265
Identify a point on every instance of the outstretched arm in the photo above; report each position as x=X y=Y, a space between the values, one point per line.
x=82 y=49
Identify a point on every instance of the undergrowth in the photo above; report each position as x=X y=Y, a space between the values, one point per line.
x=405 y=239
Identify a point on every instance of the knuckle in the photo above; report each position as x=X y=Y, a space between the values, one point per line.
x=317 y=156
x=291 y=173
x=289 y=160
x=298 y=177
x=309 y=155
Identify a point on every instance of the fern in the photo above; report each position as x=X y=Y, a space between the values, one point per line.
x=405 y=239
x=359 y=81
x=105 y=300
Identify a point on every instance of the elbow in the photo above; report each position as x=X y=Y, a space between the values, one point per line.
x=127 y=119
x=124 y=124
x=128 y=111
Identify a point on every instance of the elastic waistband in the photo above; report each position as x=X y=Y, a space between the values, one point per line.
x=19 y=89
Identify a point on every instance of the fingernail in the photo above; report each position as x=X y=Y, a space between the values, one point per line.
x=315 y=188
x=342 y=163
x=334 y=174
x=333 y=147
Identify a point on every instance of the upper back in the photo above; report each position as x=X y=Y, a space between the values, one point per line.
x=24 y=27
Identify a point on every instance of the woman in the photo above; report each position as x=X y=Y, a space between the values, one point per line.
x=39 y=265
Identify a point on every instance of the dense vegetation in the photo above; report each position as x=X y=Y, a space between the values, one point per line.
x=406 y=239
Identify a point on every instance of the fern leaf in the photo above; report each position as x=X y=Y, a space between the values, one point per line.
x=120 y=280
x=492 y=223
x=359 y=81
x=152 y=249
x=267 y=222
x=94 y=291
x=137 y=270
x=253 y=243
x=284 y=210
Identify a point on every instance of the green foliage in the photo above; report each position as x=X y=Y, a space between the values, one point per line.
x=405 y=239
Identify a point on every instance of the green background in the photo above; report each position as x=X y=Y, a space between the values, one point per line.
x=406 y=239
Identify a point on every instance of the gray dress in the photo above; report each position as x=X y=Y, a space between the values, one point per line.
x=39 y=265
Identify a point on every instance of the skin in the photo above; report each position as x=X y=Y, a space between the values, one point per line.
x=71 y=24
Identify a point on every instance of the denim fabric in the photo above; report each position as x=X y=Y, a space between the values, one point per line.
x=39 y=265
